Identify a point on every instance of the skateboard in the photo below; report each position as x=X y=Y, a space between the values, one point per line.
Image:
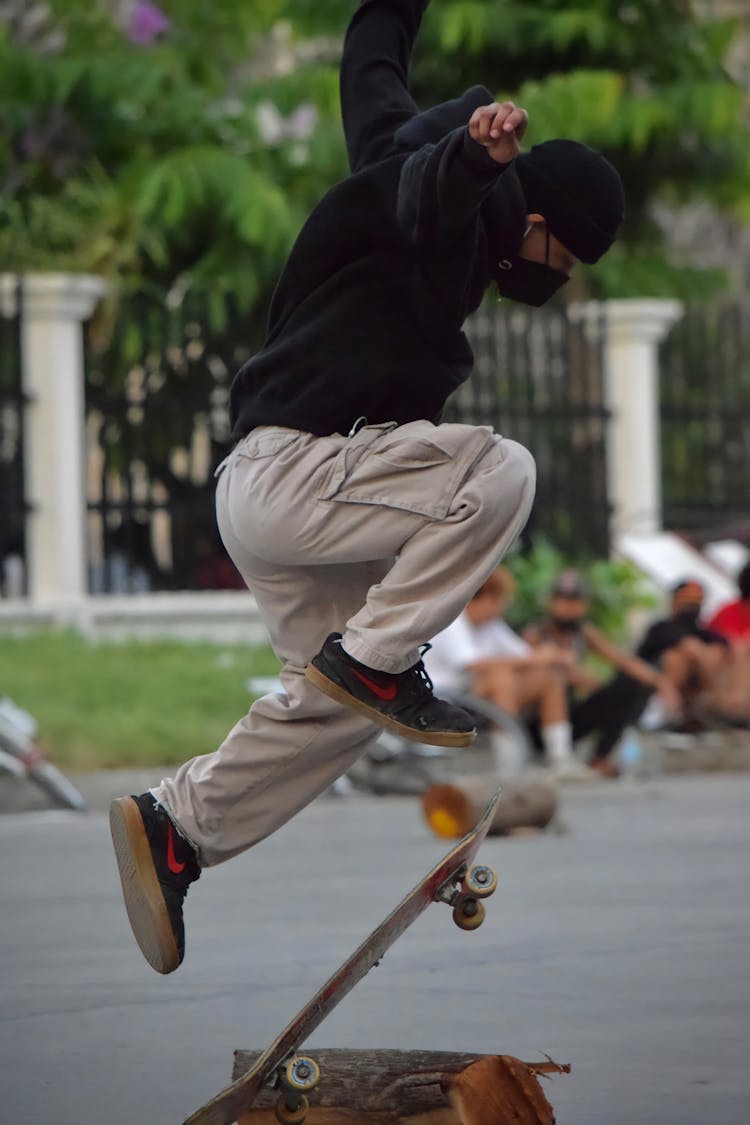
x=455 y=881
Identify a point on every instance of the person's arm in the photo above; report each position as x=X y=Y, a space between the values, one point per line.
x=375 y=98
x=443 y=186
x=631 y=665
x=532 y=634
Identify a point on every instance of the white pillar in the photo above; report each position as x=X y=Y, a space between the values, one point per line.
x=634 y=328
x=54 y=307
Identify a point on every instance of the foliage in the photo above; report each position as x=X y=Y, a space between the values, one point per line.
x=151 y=163
x=125 y=704
x=615 y=587
x=643 y=80
x=185 y=149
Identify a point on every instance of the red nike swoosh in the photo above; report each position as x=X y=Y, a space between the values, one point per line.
x=175 y=867
x=388 y=692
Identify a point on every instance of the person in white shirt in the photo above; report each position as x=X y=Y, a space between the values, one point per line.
x=479 y=654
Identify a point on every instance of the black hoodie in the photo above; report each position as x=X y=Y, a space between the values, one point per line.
x=367 y=317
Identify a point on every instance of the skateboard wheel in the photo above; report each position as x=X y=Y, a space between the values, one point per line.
x=300 y=1073
x=481 y=881
x=469 y=913
x=288 y=1116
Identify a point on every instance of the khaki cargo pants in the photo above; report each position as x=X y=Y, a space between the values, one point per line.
x=385 y=536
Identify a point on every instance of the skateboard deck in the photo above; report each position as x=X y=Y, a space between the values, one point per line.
x=451 y=881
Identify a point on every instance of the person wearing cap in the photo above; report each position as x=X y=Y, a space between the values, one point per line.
x=693 y=657
x=362 y=523
x=603 y=709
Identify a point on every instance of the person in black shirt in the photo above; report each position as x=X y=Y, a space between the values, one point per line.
x=691 y=656
x=360 y=522
x=603 y=709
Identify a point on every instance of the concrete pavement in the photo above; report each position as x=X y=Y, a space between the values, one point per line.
x=620 y=947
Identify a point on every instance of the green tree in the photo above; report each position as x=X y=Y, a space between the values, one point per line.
x=185 y=149
x=133 y=150
x=645 y=81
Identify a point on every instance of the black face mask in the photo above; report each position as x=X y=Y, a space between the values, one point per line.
x=533 y=283
x=689 y=617
x=567 y=624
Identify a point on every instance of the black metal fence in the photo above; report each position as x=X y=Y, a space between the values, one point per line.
x=539 y=379
x=705 y=417
x=157 y=425
x=13 y=507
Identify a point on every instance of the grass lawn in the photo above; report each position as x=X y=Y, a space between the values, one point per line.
x=115 y=704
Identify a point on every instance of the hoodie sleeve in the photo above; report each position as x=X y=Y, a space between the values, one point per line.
x=375 y=98
x=442 y=187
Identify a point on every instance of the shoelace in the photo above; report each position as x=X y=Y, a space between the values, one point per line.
x=422 y=679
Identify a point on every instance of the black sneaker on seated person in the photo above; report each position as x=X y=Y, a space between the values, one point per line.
x=403 y=702
x=157 y=865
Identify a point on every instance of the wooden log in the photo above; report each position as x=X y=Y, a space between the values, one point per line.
x=528 y=801
x=379 y=1087
x=376 y=1087
x=500 y=1090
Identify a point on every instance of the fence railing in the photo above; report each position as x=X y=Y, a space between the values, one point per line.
x=539 y=379
x=156 y=401
x=13 y=506
x=144 y=422
x=705 y=417
x=156 y=426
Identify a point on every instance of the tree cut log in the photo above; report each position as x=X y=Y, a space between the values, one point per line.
x=528 y=801
x=414 y=1088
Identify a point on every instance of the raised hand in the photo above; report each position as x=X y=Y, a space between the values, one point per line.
x=499 y=128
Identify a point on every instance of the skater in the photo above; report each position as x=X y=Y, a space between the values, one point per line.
x=360 y=522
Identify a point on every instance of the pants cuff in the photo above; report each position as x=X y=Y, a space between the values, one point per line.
x=374 y=659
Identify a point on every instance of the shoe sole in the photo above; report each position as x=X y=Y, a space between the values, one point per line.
x=144 y=901
x=455 y=739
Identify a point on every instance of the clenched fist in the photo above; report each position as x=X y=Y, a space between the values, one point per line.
x=499 y=128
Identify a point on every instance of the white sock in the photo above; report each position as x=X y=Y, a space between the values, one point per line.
x=558 y=742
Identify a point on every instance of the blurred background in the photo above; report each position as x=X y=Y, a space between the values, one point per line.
x=156 y=163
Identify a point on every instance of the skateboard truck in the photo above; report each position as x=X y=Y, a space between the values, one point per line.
x=464 y=891
x=298 y=1075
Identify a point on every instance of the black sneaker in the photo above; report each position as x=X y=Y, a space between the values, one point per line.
x=403 y=702
x=156 y=868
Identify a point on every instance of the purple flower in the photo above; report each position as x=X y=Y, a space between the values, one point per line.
x=147 y=22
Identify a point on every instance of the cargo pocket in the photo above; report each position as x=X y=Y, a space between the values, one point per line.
x=416 y=467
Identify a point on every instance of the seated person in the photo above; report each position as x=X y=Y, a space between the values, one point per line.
x=481 y=655
x=608 y=708
x=697 y=660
